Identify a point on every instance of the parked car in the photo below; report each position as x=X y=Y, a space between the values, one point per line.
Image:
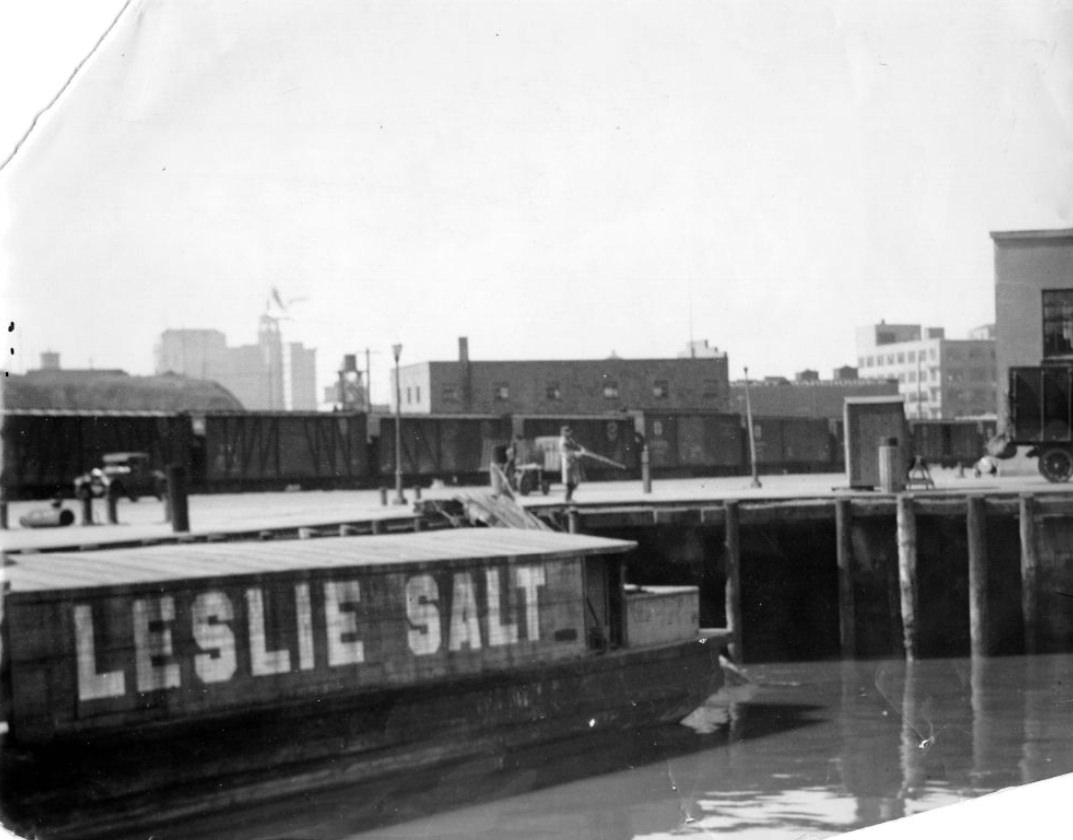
x=124 y=474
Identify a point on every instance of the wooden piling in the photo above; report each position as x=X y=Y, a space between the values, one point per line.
x=907 y=572
x=976 y=525
x=180 y=506
x=1029 y=572
x=847 y=617
x=732 y=591
x=573 y=521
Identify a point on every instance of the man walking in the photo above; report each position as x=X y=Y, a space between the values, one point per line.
x=570 y=455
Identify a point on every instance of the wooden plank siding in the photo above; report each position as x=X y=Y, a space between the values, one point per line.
x=133 y=636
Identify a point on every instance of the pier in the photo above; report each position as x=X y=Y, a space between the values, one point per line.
x=798 y=569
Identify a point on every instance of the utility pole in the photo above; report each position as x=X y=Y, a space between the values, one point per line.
x=399 y=498
x=752 y=434
x=368 y=382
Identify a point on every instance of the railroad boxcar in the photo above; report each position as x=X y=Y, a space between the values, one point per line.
x=684 y=443
x=794 y=445
x=948 y=443
x=44 y=451
x=236 y=451
x=450 y=447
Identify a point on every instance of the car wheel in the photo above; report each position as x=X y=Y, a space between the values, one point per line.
x=1056 y=464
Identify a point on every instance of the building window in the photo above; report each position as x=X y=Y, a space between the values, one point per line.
x=661 y=389
x=417 y=393
x=711 y=389
x=1057 y=322
x=912 y=355
x=407 y=394
x=502 y=392
x=450 y=393
x=553 y=392
x=610 y=390
x=901 y=358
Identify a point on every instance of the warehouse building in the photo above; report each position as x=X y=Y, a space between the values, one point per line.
x=564 y=387
x=807 y=395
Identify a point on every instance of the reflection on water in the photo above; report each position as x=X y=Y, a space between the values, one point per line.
x=820 y=748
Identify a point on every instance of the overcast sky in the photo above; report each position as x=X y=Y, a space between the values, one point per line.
x=551 y=179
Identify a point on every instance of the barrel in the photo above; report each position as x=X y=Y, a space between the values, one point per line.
x=48 y=518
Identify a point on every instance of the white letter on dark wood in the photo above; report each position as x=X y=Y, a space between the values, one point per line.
x=92 y=685
x=530 y=579
x=498 y=634
x=465 y=620
x=154 y=644
x=211 y=611
x=340 y=623
x=263 y=662
x=422 y=593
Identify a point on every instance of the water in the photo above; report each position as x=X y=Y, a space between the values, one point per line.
x=818 y=749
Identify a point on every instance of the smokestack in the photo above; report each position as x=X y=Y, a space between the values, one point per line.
x=466 y=375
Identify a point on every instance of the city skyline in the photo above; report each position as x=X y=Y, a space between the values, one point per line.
x=561 y=185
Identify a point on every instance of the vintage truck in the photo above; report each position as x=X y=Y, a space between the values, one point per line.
x=1040 y=416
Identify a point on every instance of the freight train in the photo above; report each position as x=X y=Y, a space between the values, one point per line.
x=235 y=451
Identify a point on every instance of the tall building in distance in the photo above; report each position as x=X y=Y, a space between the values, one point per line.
x=271 y=375
x=940 y=378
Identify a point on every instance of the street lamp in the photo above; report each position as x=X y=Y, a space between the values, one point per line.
x=752 y=434
x=399 y=498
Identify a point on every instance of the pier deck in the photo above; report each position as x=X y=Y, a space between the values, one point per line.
x=252 y=515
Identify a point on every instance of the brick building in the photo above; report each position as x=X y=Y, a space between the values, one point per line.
x=588 y=386
x=807 y=395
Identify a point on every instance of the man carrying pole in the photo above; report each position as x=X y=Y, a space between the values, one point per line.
x=570 y=454
x=570 y=457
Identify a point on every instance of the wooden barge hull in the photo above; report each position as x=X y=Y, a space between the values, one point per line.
x=186 y=679
x=93 y=786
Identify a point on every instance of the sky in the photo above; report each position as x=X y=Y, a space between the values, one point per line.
x=550 y=179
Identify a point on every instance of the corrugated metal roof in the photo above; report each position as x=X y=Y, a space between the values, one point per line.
x=171 y=563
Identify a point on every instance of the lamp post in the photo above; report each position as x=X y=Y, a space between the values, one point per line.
x=399 y=498
x=752 y=434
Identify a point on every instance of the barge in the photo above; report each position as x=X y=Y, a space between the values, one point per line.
x=141 y=685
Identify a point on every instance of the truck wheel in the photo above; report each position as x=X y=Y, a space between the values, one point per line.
x=1056 y=464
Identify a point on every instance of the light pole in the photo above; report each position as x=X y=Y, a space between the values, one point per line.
x=752 y=435
x=399 y=498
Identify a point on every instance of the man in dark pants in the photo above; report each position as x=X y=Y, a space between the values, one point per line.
x=570 y=455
